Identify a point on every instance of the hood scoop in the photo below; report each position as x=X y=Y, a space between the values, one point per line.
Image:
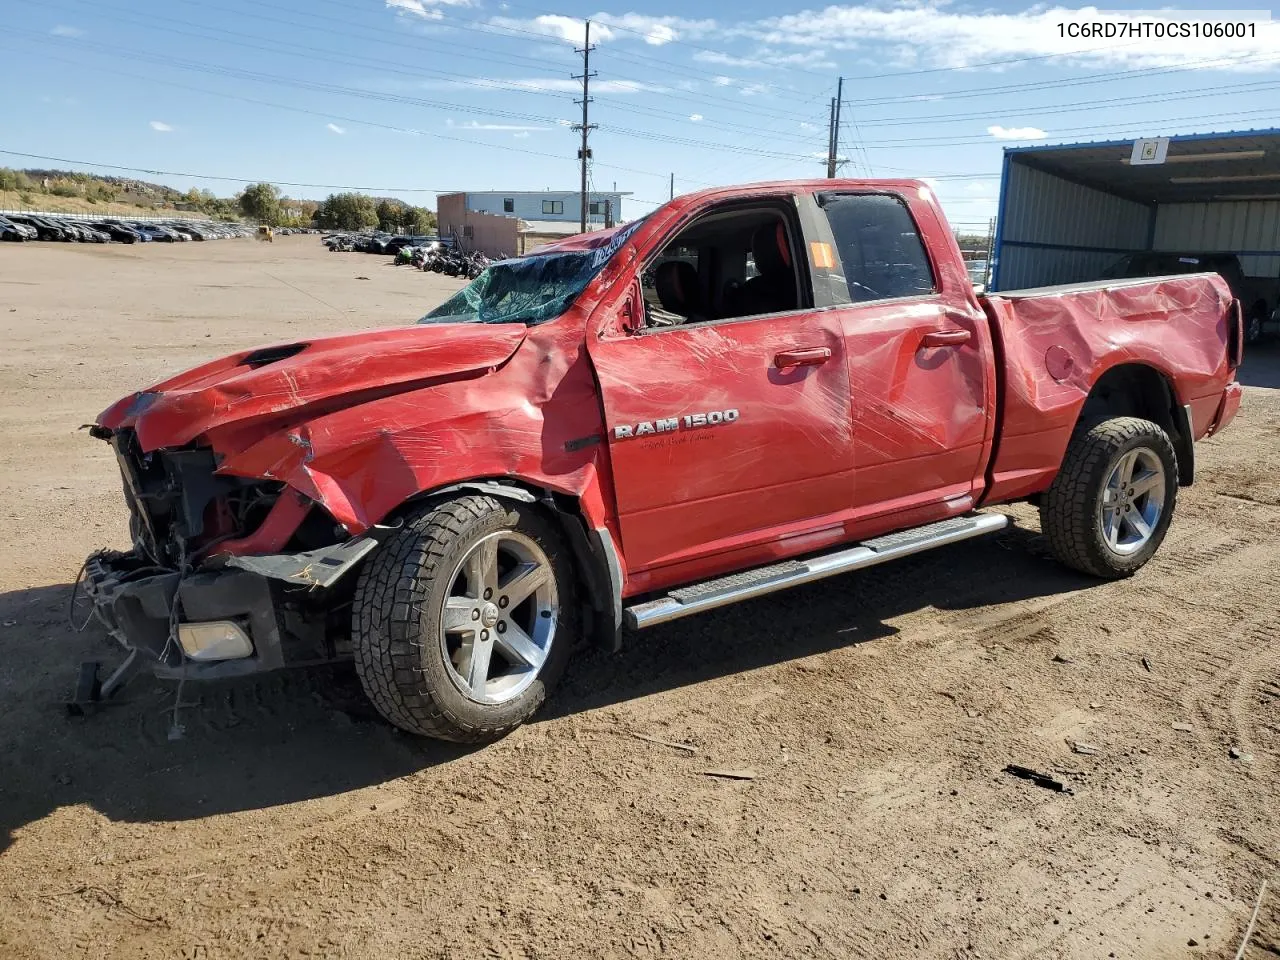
x=267 y=355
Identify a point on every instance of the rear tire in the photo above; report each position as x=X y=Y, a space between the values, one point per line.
x=463 y=621
x=1110 y=505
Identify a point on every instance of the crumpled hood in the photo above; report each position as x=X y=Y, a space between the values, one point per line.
x=315 y=376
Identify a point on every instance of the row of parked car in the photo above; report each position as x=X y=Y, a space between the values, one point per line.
x=378 y=242
x=18 y=227
x=431 y=254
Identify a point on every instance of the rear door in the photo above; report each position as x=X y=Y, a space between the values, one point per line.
x=730 y=432
x=919 y=354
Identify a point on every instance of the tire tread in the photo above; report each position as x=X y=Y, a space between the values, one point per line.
x=1067 y=514
x=386 y=620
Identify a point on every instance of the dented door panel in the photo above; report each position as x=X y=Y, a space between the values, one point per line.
x=711 y=440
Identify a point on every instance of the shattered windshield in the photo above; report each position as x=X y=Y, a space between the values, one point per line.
x=529 y=290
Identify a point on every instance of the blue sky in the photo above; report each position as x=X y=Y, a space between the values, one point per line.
x=411 y=97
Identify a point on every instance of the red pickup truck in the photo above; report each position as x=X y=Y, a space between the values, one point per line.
x=750 y=388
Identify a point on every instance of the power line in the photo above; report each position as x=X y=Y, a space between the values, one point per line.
x=207 y=176
x=219 y=70
x=773 y=64
x=1010 y=88
x=308 y=53
x=345 y=119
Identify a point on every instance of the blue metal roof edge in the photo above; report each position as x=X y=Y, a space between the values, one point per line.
x=1178 y=138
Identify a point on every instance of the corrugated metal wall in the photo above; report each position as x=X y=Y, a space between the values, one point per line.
x=1236 y=226
x=1056 y=231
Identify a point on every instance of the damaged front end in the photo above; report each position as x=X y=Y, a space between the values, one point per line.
x=227 y=575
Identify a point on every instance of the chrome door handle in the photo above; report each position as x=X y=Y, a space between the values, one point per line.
x=810 y=357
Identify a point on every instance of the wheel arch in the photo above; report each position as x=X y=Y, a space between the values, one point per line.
x=1137 y=389
x=592 y=545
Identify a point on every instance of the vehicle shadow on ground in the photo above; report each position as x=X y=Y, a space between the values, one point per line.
x=1261 y=367
x=302 y=734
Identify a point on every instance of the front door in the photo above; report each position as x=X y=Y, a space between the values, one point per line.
x=725 y=431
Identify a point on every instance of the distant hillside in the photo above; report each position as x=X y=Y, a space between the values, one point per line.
x=67 y=191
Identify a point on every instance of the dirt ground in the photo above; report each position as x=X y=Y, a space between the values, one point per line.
x=877 y=712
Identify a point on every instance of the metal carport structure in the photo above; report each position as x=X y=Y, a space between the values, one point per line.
x=1066 y=212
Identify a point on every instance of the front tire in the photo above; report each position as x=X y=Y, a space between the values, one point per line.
x=464 y=620
x=1110 y=505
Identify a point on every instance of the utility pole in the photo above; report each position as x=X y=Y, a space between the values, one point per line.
x=831 y=141
x=833 y=135
x=673 y=187
x=584 y=154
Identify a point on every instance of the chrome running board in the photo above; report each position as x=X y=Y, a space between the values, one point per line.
x=723 y=591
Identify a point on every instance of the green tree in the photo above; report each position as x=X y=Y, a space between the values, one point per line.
x=391 y=214
x=261 y=202
x=14 y=180
x=347 y=211
x=420 y=219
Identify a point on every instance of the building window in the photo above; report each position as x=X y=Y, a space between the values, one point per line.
x=553 y=206
x=508 y=205
x=468 y=231
x=595 y=208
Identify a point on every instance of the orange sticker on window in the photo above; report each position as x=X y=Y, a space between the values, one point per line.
x=823 y=256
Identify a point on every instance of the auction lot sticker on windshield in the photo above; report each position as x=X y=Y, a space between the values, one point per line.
x=615 y=243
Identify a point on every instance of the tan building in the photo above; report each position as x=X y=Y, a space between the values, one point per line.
x=507 y=234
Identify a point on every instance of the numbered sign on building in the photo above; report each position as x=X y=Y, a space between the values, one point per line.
x=1150 y=151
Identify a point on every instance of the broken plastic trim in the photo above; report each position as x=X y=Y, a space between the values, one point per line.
x=314 y=568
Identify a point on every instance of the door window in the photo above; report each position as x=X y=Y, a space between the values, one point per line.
x=880 y=249
x=728 y=264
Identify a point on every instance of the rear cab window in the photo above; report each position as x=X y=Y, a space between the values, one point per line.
x=878 y=247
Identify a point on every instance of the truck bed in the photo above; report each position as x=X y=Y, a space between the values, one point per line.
x=1054 y=343
x=1087 y=286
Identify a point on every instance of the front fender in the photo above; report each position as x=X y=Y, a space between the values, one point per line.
x=537 y=418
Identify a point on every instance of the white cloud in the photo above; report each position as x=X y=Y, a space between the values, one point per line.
x=61 y=30
x=521 y=134
x=1016 y=133
x=722 y=81
x=161 y=127
x=554 y=25
x=724 y=59
x=766 y=59
x=424 y=9
x=334 y=128
x=807 y=126
x=695 y=117
x=933 y=33
x=654 y=31
x=508 y=127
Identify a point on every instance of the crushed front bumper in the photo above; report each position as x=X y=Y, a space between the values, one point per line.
x=134 y=600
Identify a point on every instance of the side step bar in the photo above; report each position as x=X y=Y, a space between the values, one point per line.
x=723 y=591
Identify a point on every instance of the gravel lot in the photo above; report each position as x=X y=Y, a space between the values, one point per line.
x=876 y=711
